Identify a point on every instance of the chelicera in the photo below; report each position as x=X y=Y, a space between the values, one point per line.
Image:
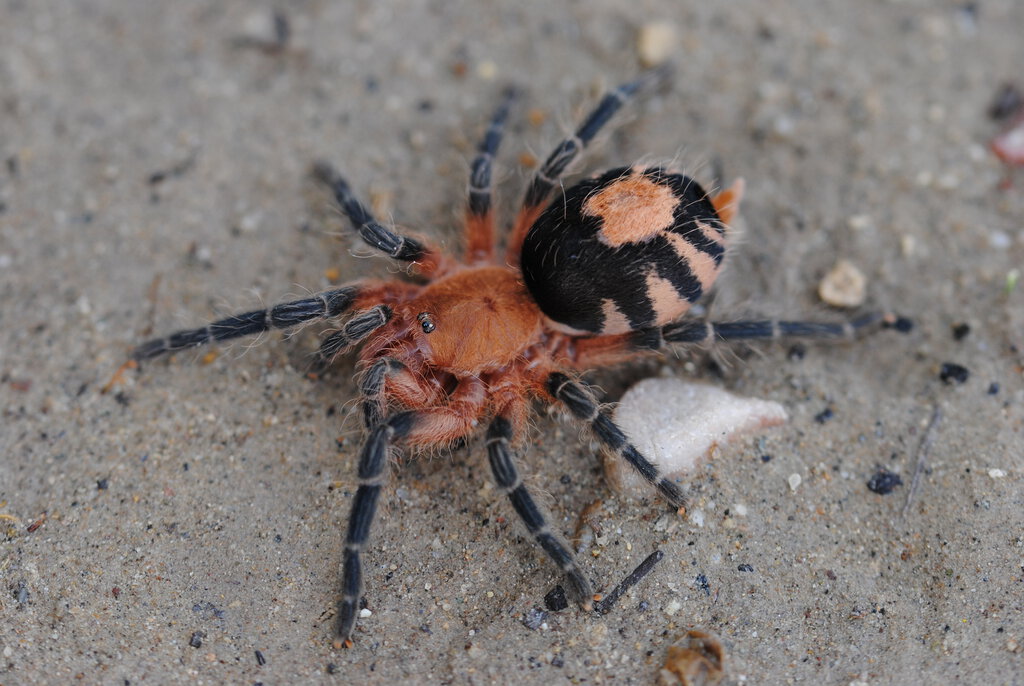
x=602 y=274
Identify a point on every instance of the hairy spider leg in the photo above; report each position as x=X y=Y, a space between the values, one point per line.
x=596 y=351
x=581 y=402
x=506 y=476
x=422 y=427
x=353 y=331
x=427 y=259
x=323 y=305
x=568 y=150
x=403 y=387
x=480 y=233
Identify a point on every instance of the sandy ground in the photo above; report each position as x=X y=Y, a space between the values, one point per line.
x=193 y=516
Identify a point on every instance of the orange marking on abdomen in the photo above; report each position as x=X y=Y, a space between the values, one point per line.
x=614 y=320
x=633 y=209
x=710 y=232
x=668 y=304
x=702 y=265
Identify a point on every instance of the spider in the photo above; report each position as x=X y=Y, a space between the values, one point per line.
x=603 y=274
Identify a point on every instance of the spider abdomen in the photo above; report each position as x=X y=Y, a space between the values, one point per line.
x=629 y=249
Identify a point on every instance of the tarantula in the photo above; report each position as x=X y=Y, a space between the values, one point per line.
x=602 y=274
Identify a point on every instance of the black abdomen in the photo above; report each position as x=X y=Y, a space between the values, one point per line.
x=632 y=248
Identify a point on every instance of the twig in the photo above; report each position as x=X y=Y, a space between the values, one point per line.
x=604 y=605
x=922 y=457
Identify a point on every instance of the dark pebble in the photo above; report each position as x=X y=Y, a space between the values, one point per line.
x=332 y=668
x=993 y=388
x=797 y=352
x=766 y=458
x=960 y=331
x=557 y=661
x=1007 y=101
x=260 y=660
x=555 y=600
x=901 y=324
x=197 y=639
x=103 y=484
x=824 y=415
x=702 y=584
x=643 y=606
x=952 y=373
x=883 y=481
x=745 y=568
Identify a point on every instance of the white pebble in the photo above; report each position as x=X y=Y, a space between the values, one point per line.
x=673 y=607
x=656 y=42
x=678 y=425
x=999 y=240
x=794 y=481
x=843 y=286
x=997 y=473
x=364 y=613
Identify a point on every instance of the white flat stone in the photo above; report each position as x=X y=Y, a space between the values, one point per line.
x=677 y=425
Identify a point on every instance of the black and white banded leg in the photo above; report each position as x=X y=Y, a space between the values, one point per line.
x=570 y=148
x=697 y=331
x=285 y=315
x=371 y=387
x=499 y=436
x=581 y=401
x=373 y=463
x=353 y=331
x=370 y=230
x=479 y=212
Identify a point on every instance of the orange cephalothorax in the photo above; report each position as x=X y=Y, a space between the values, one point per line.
x=475 y=320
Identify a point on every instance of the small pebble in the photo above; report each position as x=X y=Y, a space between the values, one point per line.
x=701 y=583
x=794 y=481
x=196 y=641
x=960 y=331
x=883 y=481
x=260 y=660
x=364 y=613
x=993 y=388
x=673 y=607
x=1007 y=101
x=843 y=286
x=952 y=373
x=555 y=600
x=745 y=568
x=656 y=42
x=901 y=324
x=824 y=415
x=534 y=619
x=997 y=473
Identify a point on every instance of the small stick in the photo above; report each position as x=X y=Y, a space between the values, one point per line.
x=604 y=605
x=922 y=456
x=36 y=524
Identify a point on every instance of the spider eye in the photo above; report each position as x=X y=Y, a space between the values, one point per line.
x=426 y=322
